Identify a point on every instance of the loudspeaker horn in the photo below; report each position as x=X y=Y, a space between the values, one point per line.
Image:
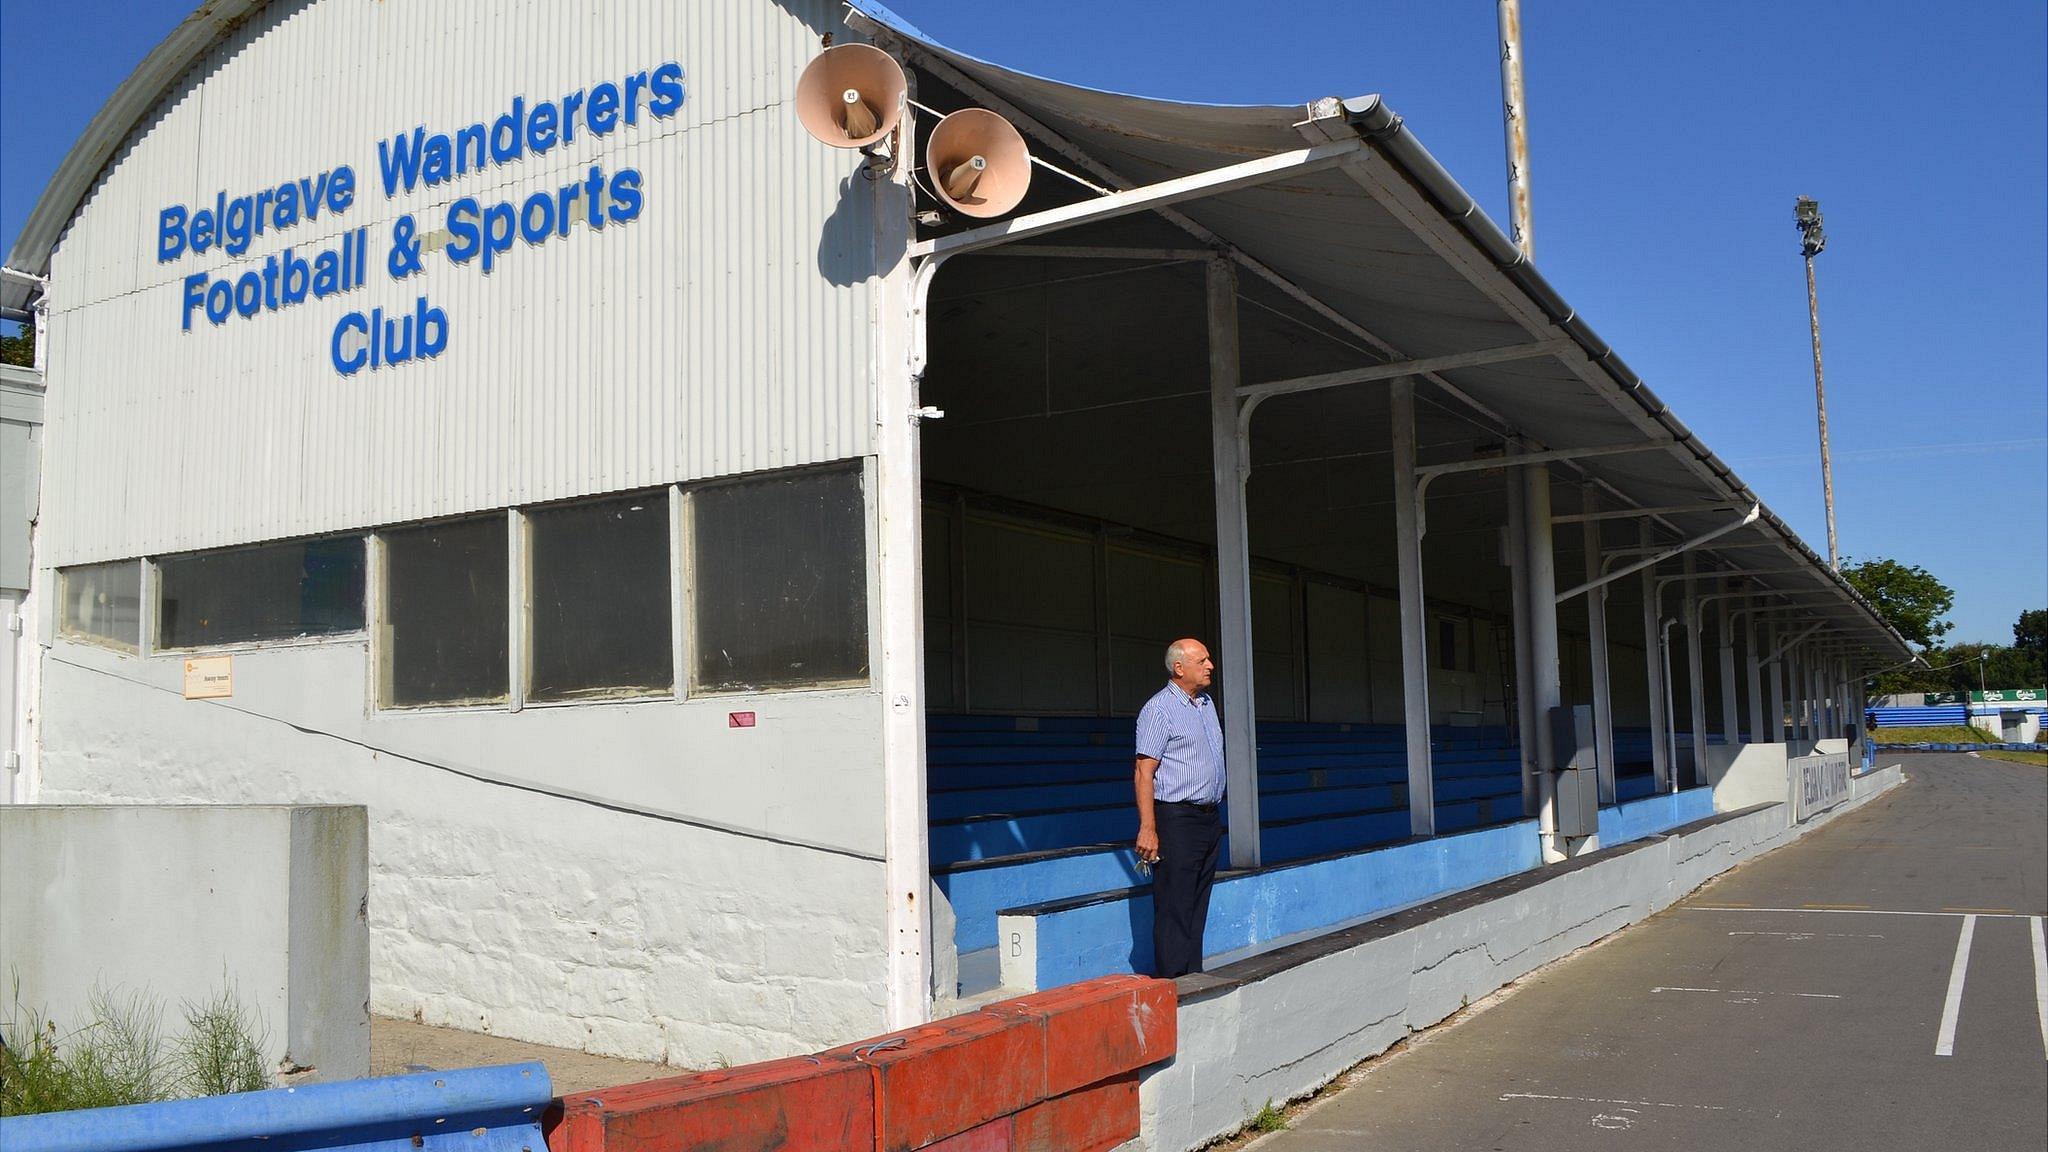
x=978 y=163
x=850 y=96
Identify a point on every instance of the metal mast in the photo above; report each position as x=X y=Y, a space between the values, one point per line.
x=1514 y=112
x=1807 y=212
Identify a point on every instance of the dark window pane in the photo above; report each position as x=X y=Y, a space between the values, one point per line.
x=444 y=606
x=781 y=584
x=103 y=602
x=601 y=599
x=306 y=588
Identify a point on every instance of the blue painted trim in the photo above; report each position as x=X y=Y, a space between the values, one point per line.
x=1113 y=933
x=1648 y=817
x=442 y=1109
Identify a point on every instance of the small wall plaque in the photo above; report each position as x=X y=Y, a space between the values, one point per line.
x=209 y=678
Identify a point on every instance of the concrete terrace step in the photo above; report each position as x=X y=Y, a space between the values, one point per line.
x=980 y=889
x=1293 y=794
x=1313 y=831
x=955 y=778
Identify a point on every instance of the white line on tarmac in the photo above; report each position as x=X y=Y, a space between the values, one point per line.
x=1597 y=1100
x=1815 y=935
x=1951 y=1009
x=1860 y=912
x=1750 y=992
x=2041 y=979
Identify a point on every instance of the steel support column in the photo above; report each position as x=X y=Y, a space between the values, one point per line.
x=1596 y=637
x=1731 y=720
x=1695 y=674
x=1759 y=732
x=1230 y=465
x=899 y=585
x=1777 y=662
x=1653 y=670
x=1518 y=584
x=1546 y=690
x=1414 y=629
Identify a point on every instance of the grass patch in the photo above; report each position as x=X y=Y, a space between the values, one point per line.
x=1945 y=734
x=122 y=1054
x=1267 y=1119
x=2037 y=759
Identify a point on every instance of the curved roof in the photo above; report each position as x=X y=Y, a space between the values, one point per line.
x=109 y=129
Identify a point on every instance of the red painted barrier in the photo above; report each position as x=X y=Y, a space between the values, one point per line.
x=1050 y=1072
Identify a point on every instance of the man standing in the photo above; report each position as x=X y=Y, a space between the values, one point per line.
x=1179 y=787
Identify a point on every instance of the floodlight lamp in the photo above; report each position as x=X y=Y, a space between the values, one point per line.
x=1807 y=213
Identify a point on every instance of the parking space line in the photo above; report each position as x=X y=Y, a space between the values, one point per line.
x=1857 y=912
x=1750 y=992
x=2041 y=979
x=1599 y=1100
x=1815 y=935
x=1951 y=1009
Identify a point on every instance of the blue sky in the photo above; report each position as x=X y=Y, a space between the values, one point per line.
x=1668 y=144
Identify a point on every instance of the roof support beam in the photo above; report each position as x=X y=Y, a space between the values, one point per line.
x=1493 y=463
x=1788 y=645
x=1755 y=510
x=1427 y=475
x=1097 y=252
x=1257 y=392
x=1632 y=513
x=1215 y=182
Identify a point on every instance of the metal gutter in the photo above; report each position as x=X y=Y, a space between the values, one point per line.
x=1372 y=118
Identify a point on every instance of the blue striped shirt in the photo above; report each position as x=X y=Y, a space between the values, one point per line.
x=1181 y=732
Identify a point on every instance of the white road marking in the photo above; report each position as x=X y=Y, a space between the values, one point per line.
x=1951 y=1009
x=1750 y=992
x=1858 y=912
x=2041 y=979
x=1598 y=1100
x=1816 y=935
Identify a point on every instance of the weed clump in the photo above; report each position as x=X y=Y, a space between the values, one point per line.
x=123 y=1056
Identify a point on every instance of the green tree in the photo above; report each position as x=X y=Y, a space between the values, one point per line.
x=1908 y=597
x=2030 y=640
x=21 y=349
x=2030 y=633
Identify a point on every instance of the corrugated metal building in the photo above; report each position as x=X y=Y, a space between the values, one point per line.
x=622 y=595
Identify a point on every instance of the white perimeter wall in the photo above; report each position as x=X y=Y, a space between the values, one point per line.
x=502 y=909
x=180 y=904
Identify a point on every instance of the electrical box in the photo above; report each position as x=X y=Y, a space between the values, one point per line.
x=1578 y=777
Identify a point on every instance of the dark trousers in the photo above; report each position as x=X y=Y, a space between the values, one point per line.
x=1189 y=838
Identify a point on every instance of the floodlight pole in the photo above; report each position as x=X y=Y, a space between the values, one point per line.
x=1812 y=240
x=1514 y=115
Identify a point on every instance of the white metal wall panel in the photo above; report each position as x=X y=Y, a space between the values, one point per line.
x=728 y=329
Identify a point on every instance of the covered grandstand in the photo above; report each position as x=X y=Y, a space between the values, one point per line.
x=712 y=695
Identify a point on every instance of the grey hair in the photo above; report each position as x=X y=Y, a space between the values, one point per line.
x=1175 y=653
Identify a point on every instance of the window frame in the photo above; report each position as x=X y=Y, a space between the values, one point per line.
x=143 y=616
x=376 y=589
x=152 y=596
x=863 y=470
x=520 y=595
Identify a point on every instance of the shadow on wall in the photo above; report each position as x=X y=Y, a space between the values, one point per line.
x=849 y=235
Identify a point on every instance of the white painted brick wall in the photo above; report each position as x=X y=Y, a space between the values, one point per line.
x=505 y=911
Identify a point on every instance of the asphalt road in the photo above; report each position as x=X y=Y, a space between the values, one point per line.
x=1809 y=1000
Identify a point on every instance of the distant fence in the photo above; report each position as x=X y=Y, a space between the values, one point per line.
x=1934 y=747
x=1925 y=717
x=476 y=1109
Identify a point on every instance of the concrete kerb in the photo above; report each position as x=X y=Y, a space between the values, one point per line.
x=1280 y=1026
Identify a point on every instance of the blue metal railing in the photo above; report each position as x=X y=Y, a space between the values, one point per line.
x=495 y=1109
